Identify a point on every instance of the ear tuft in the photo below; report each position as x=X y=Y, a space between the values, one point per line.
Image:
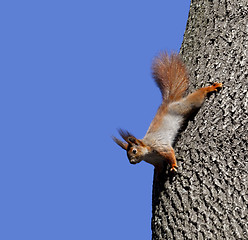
x=125 y=134
x=120 y=143
x=129 y=138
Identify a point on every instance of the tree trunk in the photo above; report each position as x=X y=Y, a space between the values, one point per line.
x=208 y=197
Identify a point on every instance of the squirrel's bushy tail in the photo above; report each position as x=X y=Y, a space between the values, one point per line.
x=171 y=76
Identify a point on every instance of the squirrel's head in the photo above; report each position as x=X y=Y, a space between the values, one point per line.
x=136 y=149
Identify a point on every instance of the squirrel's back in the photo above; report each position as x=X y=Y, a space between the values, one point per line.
x=170 y=74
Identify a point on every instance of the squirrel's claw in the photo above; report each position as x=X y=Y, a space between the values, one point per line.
x=173 y=169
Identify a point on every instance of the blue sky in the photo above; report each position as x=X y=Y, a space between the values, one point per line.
x=72 y=72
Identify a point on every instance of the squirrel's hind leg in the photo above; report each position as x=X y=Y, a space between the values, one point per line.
x=193 y=101
x=209 y=89
x=197 y=98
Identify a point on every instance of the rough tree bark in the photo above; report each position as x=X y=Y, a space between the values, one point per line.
x=208 y=197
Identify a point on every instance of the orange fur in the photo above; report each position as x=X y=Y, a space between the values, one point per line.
x=171 y=76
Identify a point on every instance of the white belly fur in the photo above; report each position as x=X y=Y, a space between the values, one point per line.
x=166 y=133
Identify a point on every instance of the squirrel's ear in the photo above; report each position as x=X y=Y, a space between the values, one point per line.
x=120 y=143
x=129 y=138
x=133 y=140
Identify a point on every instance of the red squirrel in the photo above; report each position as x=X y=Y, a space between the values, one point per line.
x=171 y=76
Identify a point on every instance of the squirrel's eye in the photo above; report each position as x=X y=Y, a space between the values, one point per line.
x=134 y=151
